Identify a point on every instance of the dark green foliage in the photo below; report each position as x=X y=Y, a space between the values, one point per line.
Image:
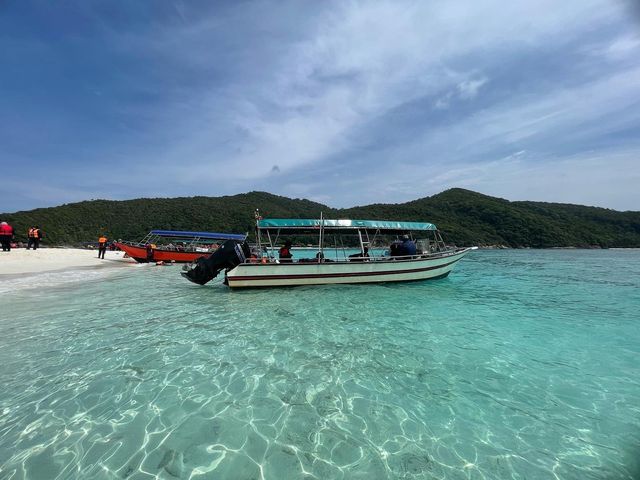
x=464 y=217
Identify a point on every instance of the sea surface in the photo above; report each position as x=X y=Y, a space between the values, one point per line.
x=521 y=364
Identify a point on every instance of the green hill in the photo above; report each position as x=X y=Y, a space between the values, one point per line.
x=464 y=217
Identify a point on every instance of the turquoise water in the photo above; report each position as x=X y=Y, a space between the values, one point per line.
x=521 y=364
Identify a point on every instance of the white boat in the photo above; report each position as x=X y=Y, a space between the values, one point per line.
x=429 y=257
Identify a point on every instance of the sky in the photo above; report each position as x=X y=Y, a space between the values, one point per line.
x=342 y=102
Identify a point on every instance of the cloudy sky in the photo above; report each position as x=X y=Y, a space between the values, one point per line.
x=345 y=102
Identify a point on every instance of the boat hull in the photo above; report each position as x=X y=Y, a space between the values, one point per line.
x=249 y=275
x=139 y=254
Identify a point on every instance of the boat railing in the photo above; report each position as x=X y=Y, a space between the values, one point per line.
x=130 y=243
x=373 y=258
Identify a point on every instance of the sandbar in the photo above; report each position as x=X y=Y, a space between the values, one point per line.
x=22 y=261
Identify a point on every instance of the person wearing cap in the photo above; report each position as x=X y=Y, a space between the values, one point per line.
x=408 y=246
x=285 y=252
x=404 y=248
x=6 y=235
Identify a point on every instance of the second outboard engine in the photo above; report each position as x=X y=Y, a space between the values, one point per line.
x=227 y=256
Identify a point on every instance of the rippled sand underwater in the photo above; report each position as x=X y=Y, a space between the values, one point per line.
x=521 y=364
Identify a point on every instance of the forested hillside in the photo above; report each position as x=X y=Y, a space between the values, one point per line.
x=464 y=217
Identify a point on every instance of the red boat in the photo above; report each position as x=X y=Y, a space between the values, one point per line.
x=175 y=246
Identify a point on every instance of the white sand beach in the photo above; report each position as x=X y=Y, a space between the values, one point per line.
x=21 y=261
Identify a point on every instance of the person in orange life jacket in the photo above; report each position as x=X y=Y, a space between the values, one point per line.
x=6 y=235
x=102 y=246
x=149 y=249
x=285 y=252
x=35 y=234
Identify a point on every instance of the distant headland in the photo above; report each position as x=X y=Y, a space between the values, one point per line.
x=465 y=218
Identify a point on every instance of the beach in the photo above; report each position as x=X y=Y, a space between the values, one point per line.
x=22 y=261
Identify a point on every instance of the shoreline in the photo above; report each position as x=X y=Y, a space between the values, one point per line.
x=21 y=262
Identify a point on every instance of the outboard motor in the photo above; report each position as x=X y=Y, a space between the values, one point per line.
x=227 y=256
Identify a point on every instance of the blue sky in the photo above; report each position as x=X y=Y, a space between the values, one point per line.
x=344 y=102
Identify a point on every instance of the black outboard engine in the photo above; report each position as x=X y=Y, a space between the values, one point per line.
x=227 y=256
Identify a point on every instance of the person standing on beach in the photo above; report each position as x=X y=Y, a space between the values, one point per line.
x=102 y=246
x=35 y=234
x=6 y=235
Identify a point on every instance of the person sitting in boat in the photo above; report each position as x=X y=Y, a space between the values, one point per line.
x=362 y=256
x=407 y=247
x=317 y=259
x=285 y=252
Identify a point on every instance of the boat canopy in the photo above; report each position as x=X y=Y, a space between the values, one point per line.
x=315 y=224
x=203 y=235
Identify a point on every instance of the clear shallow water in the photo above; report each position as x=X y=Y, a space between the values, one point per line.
x=521 y=364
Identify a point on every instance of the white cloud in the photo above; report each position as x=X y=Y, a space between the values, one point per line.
x=607 y=179
x=465 y=90
x=590 y=178
x=399 y=52
x=390 y=53
x=551 y=166
x=469 y=88
x=276 y=86
x=624 y=46
x=443 y=102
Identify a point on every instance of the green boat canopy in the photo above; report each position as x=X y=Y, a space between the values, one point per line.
x=313 y=224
